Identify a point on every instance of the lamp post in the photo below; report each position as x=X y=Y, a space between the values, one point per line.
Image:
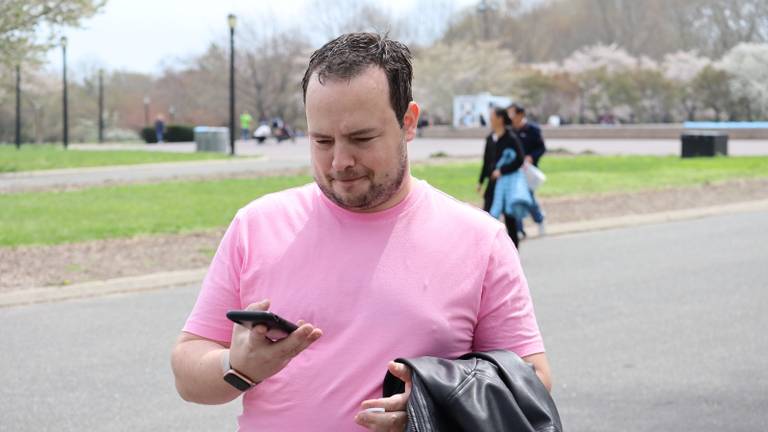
x=232 y=21
x=146 y=111
x=65 y=107
x=18 y=107
x=101 y=105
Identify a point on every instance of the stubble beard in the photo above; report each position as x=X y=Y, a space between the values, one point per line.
x=377 y=193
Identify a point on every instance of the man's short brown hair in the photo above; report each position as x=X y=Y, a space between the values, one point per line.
x=350 y=54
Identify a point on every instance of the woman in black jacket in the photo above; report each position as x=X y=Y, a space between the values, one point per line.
x=500 y=138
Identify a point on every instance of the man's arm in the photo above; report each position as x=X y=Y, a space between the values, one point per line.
x=541 y=366
x=485 y=168
x=539 y=147
x=197 y=367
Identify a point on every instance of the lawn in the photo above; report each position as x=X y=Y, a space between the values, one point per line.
x=179 y=206
x=41 y=157
x=584 y=175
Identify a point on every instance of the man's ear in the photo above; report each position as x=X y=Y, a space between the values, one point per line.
x=411 y=121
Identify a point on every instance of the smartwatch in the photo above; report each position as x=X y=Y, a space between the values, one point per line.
x=235 y=378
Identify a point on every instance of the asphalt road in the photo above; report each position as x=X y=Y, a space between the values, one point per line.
x=289 y=155
x=652 y=328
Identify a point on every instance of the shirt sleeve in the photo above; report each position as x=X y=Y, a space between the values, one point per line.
x=506 y=319
x=220 y=291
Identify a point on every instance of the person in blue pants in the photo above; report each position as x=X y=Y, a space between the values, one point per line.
x=530 y=135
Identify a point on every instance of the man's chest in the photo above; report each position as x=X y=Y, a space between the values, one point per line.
x=394 y=277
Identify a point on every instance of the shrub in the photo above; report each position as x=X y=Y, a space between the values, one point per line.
x=173 y=133
x=179 y=133
x=148 y=135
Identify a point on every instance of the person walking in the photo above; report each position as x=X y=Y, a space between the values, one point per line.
x=245 y=125
x=159 y=128
x=370 y=262
x=500 y=139
x=532 y=139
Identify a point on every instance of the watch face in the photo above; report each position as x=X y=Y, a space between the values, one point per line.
x=236 y=381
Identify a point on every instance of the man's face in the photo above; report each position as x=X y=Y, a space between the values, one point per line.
x=358 y=148
x=517 y=117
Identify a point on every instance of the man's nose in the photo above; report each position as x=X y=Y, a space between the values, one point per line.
x=343 y=157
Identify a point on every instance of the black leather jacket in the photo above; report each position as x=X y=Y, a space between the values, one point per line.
x=493 y=391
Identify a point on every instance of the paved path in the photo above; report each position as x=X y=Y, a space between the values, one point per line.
x=652 y=328
x=296 y=155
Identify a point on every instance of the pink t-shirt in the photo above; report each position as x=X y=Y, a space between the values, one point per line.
x=430 y=276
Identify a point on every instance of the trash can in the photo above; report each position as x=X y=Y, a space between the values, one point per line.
x=212 y=139
x=704 y=143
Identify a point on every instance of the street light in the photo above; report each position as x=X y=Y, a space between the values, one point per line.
x=65 y=108
x=18 y=106
x=101 y=105
x=232 y=21
x=146 y=111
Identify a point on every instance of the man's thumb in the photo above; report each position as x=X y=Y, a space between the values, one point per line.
x=400 y=371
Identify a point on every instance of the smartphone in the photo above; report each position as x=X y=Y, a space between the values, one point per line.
x=277 y=327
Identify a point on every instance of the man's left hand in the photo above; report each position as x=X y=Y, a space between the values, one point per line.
x=395 y=417
x=529 y=159
x=496 y=174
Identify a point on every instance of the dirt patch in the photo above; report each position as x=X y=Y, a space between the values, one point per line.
x=572 y=209
x=36 y=266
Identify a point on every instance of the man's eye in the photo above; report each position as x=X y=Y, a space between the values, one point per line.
x=324 y=142
x=364 y=139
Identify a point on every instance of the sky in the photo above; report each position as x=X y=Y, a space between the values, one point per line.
x=140 y=35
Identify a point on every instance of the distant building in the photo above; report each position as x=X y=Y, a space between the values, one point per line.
x=474 y=110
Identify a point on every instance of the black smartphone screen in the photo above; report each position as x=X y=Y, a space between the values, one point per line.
x=277 y=327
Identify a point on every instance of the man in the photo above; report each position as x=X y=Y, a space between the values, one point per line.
x=159 y=128
x=383 y=263
x=534 y=148
x=245 y=125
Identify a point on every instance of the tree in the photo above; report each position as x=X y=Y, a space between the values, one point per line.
x=29 y=27
x=545 y=94
x=680 y=69
x=720 y=25
x=593 y=68
x=712 y=87
x=747 y=67
x=445 y=70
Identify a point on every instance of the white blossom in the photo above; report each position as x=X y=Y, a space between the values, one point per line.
x=683 y=66
x=747 y=64
x=611 y=58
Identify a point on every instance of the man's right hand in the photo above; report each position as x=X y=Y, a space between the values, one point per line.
x=479 y=188
x=257 y=357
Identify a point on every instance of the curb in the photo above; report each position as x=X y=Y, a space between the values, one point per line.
x=654 y=218
x=122 y=285
x=172 y=279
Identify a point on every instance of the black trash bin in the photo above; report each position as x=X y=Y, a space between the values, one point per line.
x=704 y=143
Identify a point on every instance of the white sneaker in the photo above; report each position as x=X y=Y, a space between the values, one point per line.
x=542 y=229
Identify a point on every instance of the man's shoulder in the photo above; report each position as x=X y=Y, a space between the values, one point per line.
x=459 y=214
x=293 y=200
x=534 y=127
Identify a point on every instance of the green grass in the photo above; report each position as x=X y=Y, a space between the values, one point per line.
x=122 y=211
x=584 y=175
x=41 y=157
x=181 y=206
